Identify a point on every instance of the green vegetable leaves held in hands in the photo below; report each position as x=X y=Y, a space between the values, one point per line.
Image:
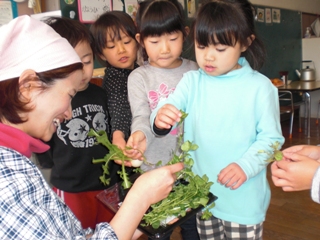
x=115 y=153
x=183 y=197
x=275 y=154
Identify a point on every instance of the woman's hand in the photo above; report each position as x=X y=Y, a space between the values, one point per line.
x=156 y=184
x=149 y=188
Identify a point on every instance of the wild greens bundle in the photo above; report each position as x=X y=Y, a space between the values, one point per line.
x=193 y=193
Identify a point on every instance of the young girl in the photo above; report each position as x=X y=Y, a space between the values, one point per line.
x=114 y=33
x=74 y=178
x=161 y=33
x=233 y=113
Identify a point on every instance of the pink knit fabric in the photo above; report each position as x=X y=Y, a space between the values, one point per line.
x=20 y=141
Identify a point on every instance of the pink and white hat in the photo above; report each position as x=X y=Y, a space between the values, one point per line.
x=27 y=43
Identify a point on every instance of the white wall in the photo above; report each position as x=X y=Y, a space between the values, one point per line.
x=52 y=5
x=311 y=51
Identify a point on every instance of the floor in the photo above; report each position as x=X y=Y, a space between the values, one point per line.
x=291 y=215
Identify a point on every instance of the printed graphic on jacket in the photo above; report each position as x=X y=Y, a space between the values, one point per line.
x=75 y=130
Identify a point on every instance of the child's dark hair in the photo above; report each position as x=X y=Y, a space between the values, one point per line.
x=112 y=23
x=228 y=22
x=72 y=30
x=157 y=17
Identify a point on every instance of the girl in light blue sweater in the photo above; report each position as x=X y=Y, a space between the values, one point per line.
x=233 y=113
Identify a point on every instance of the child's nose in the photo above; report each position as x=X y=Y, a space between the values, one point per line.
x=121 y=48
x=165 y=48
x=209 y=56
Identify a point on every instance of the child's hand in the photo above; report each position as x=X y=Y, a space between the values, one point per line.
x=138 y=142
x=118 y=139
x=310 y=151
x=232 y=176
x=296 y=174
x=167 y=116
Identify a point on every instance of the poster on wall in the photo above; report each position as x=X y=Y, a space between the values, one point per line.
x=131 y=7
x=276 y=15
x=268 y=15
x=8 y=11
x=260 y=14
x=90 y=10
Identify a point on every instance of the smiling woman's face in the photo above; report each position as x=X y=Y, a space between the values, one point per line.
x=51 y=106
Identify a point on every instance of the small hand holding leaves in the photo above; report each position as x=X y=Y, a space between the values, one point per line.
x=115 y=153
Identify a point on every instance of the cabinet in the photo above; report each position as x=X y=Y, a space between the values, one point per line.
x=307 y=20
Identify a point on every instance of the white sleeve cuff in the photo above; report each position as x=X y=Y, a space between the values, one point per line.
x=315 y=188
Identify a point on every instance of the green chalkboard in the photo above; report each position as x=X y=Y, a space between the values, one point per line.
x=283 y=42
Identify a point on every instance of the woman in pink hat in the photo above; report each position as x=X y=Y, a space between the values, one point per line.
x=39 y=75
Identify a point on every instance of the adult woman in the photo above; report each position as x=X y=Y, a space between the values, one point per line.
x=39 y=74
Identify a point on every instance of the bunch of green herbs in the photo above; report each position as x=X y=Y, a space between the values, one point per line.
x=182 y=198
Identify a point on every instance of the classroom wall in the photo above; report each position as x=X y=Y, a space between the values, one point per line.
x=308 y=6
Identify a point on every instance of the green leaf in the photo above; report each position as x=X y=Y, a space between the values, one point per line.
x=274 y=155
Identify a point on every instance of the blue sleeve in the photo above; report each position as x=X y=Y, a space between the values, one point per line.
x=268 y=131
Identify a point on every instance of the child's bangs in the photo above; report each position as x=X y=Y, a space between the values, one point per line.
x=160 y=20
x=215 y=26
x=114 y=32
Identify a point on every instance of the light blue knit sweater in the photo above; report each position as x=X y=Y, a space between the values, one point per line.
x=231 y=117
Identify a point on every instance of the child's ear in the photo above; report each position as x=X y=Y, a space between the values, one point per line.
x=138 y=39
x=187 y=29
x=103 y=58
x=250 y=39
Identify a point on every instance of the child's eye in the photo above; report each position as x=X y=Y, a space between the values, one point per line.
x=200 y=46
x=127 y=42
x=221 y=49
x=173 y=39
x=110 y=47
x=154 y=42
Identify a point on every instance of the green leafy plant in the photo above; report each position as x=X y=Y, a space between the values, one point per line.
x=275 y=154
x=115 y=153
x=183 y=197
